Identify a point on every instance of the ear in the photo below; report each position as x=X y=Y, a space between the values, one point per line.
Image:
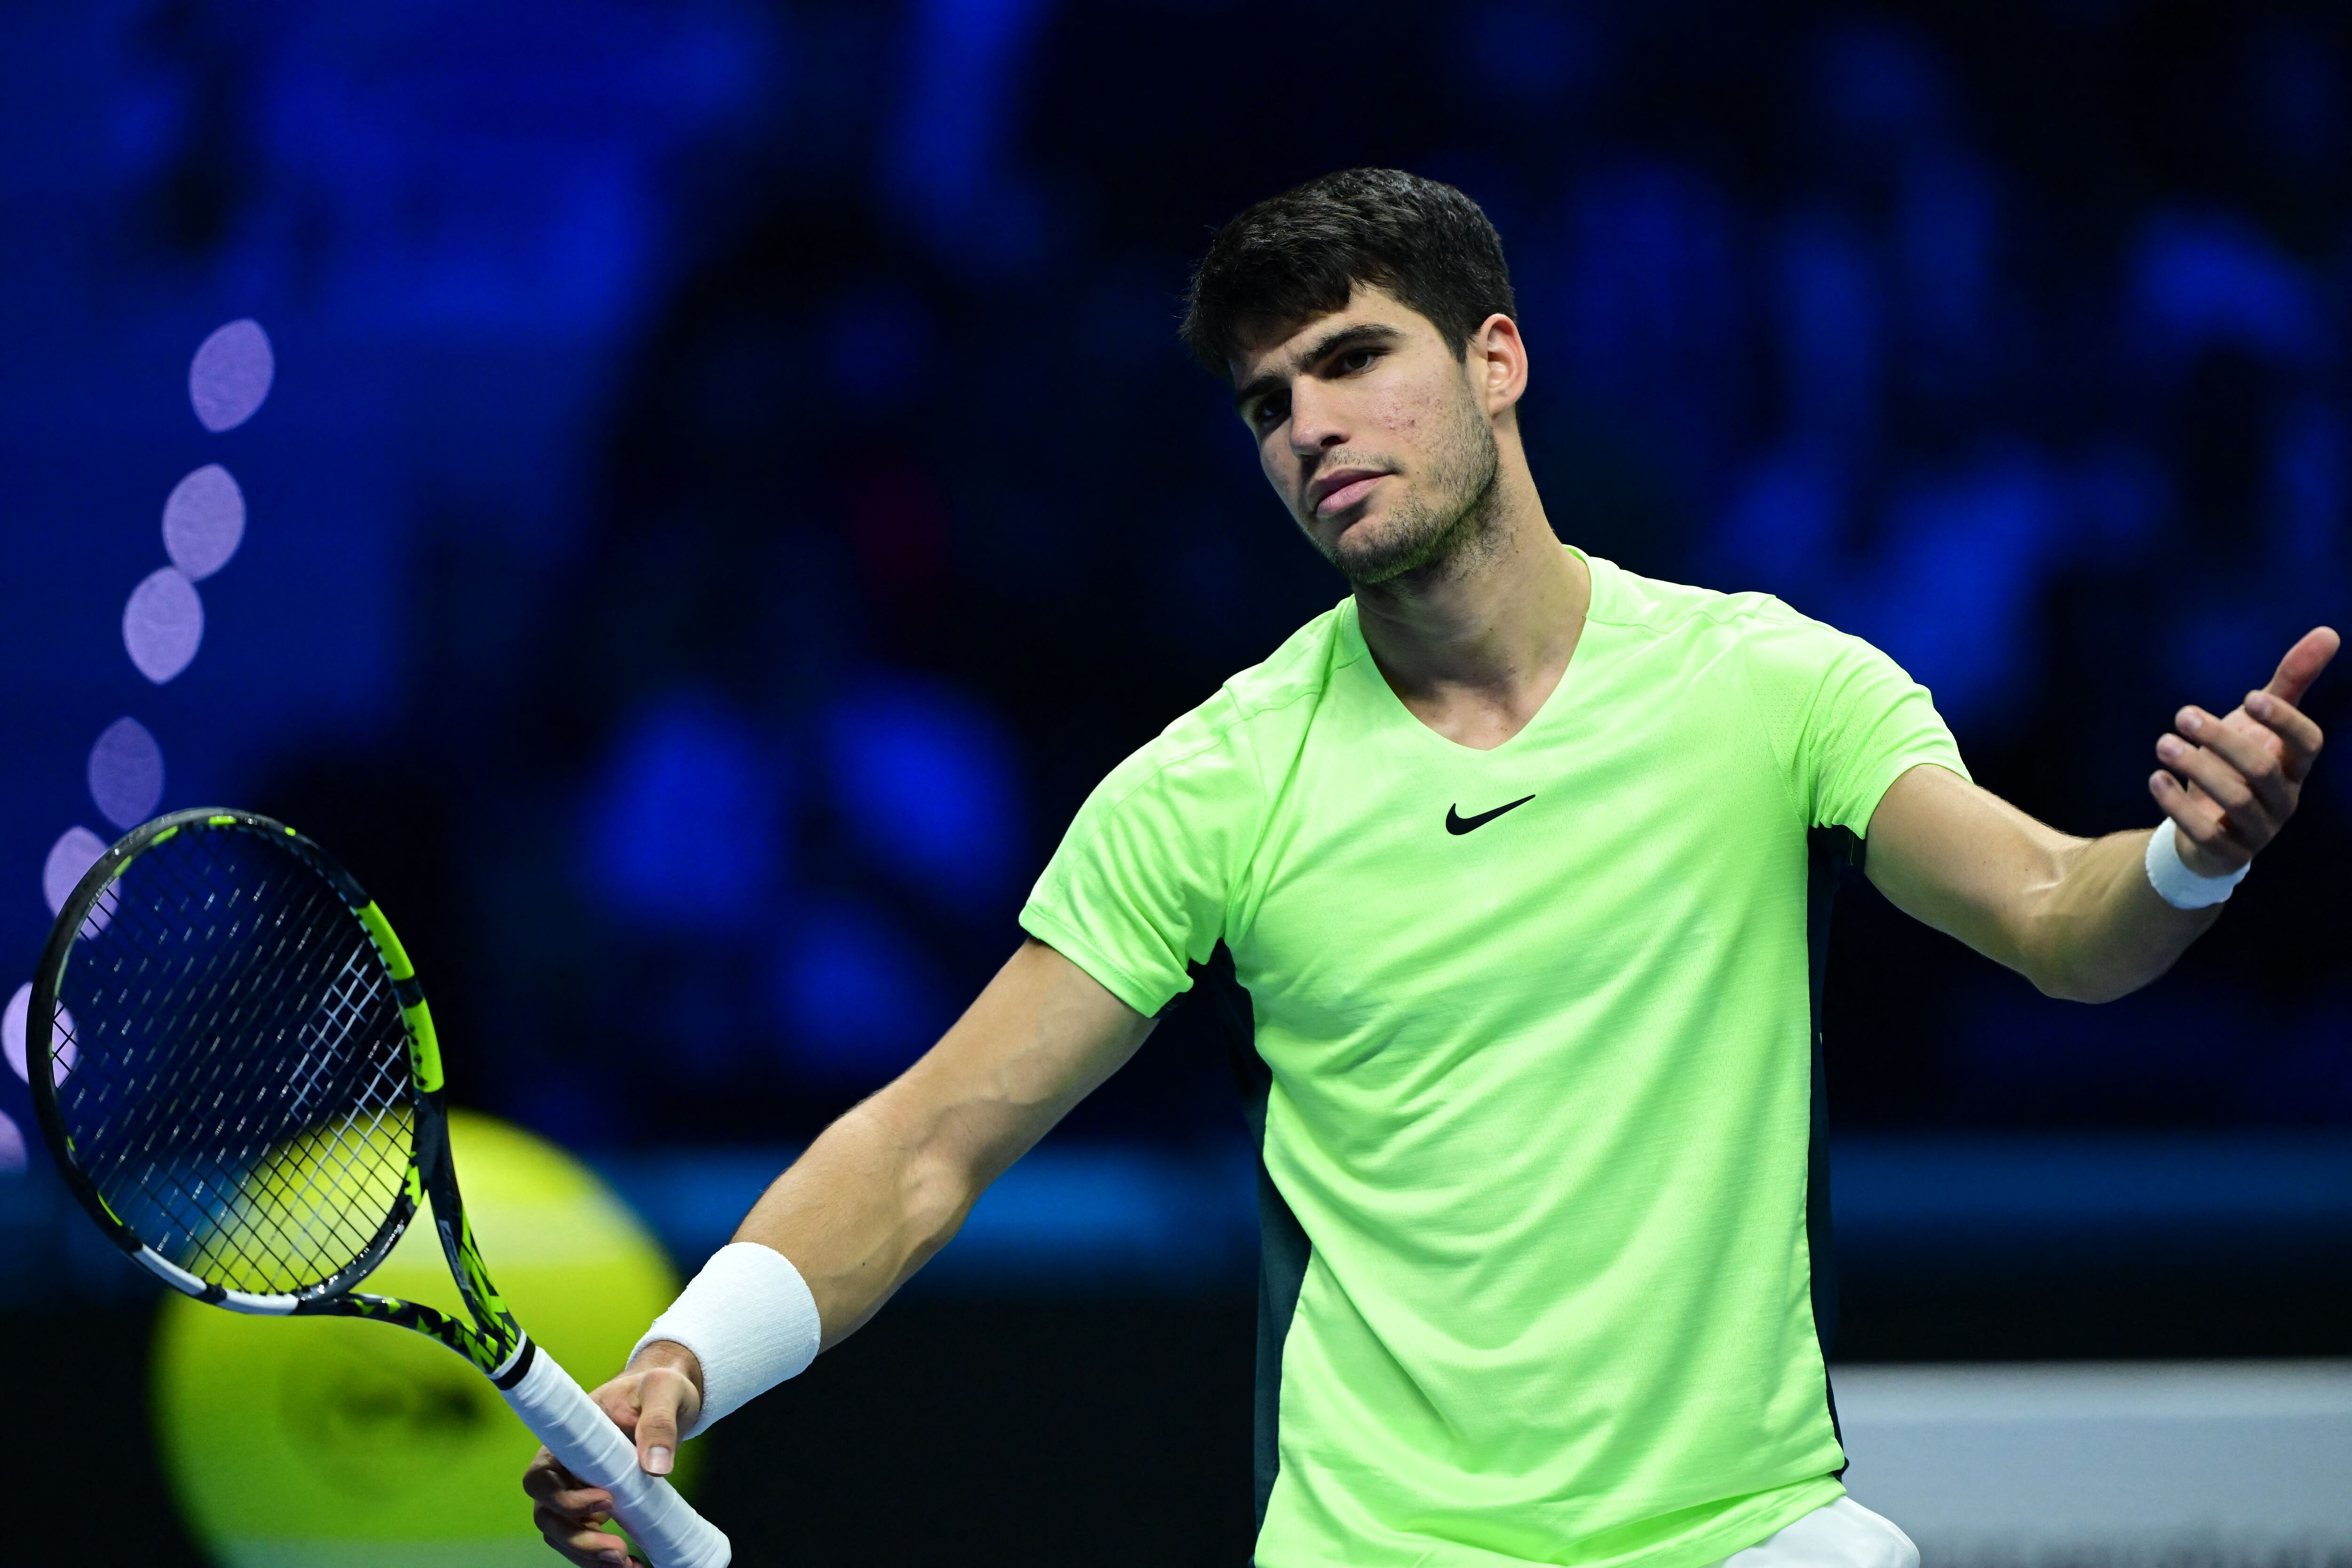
x=1496 y=363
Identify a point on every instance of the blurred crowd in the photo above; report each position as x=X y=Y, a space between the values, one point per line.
x=732 y=485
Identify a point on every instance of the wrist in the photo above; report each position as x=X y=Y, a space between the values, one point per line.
x=745 y=1323
x=2175 y=882
x=668 y=1355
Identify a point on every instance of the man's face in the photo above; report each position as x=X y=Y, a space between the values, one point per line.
x=1369 y=429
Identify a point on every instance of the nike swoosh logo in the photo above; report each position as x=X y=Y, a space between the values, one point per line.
x=1458 y=824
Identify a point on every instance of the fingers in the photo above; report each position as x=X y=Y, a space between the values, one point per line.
x=2296 y=733
x=2204 y=843
x=2246 y=817
x=589 y=1547
x=569 y=1512
x=558 y=1492
x=2304 y=662
x=2239 y=761
x=543 y=1477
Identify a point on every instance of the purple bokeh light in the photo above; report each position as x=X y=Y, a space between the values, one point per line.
x=163 y=624
x=229 y=378
x=126 y=772
x=204 y=522
x=12 y=1154
x=75 y=852
x=14 y=1033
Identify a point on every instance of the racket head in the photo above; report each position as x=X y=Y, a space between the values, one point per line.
x=238 y=1071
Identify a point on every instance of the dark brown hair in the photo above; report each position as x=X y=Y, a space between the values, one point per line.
x=1300 y=255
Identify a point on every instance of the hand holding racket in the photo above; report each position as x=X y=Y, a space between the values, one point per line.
x=652 y=1401
x=243 y=1088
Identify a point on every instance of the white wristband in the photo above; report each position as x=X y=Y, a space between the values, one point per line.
x=2175 y=883
x=751 y=1322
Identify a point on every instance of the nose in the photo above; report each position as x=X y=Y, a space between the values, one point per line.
x=1316 y=425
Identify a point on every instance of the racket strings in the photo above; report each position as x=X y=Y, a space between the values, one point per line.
x=252 y=1252
x=239 y=1091
x=330 y=1157
x=195 y=1239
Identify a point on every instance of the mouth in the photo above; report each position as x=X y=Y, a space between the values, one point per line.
x=1335 y=492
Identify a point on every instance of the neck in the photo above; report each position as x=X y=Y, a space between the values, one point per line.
x=1474 y=644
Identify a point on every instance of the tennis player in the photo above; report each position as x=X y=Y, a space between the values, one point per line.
x=1515 y=866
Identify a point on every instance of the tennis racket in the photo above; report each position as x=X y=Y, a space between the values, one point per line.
x=243 y=1088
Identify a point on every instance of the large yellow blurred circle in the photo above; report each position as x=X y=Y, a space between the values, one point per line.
x=333 y=1442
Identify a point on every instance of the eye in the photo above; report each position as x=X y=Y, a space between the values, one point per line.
x=1269 y=412
x=1358 y=360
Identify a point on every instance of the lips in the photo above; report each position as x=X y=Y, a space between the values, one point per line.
x=1338 y=491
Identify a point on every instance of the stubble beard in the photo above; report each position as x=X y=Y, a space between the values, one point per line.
x=1446 y=528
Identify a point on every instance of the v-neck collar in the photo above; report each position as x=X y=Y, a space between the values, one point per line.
x=1602 y=574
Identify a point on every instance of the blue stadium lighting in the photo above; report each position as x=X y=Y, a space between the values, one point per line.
x=204 y=522
x=856 y=996
x=927 y=782
x=682 y=827
x=75 y=851
x=14 y=1032
x=2205 y=281
x=126 y=772
x=163 y=624
x=229 y=378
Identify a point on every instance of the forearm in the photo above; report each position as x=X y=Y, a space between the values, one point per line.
x=2099 y=930
x=2076 y=916
x=890 y=1184
x=863 y=1209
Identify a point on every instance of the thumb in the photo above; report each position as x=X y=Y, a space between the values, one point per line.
x=2302 y=664
x=661 y=1399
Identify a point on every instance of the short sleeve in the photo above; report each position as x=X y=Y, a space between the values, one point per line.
x=1137 y=892
x=1844 y=720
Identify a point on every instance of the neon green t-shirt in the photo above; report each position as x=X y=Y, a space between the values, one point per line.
x=1540 y=1070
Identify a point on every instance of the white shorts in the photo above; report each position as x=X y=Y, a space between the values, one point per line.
x=1842 y=1534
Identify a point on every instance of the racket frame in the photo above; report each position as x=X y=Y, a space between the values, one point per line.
x=550 y=1403
x=492 y=1340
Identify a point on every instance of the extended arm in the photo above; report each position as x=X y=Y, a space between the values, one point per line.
x=890 y=1184
x=881 y=1190
x=2077 y=916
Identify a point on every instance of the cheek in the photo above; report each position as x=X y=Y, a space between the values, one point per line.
x=1405 y=412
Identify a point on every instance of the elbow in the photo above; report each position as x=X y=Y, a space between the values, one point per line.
x=937 y=1193
x=2079 y=988
x=2058 y=971
x=2087 y=983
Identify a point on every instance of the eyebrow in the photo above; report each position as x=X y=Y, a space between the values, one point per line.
x=1361 y=334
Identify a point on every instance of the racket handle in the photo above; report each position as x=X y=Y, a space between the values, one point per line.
x=584 y=1440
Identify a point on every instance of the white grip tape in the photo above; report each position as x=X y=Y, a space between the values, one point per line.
x=584 y=1440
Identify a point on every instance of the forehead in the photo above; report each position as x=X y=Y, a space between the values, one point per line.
x=1286 y=348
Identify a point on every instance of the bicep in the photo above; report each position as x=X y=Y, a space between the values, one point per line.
x=1041 y=1036
x=1963 y=860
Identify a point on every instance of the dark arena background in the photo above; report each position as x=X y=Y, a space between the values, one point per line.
x=685 y=498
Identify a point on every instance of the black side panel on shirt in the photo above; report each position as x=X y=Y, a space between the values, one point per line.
x=1831 y=850
x=1282 y=1244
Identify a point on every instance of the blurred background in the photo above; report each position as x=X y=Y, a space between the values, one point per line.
x=685 y=497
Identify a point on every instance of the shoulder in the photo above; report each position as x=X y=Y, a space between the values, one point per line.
x=1216 y=745
x=1664 y=609
x=1697 y=627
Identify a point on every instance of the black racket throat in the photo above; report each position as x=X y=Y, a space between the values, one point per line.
x=242 y=1084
